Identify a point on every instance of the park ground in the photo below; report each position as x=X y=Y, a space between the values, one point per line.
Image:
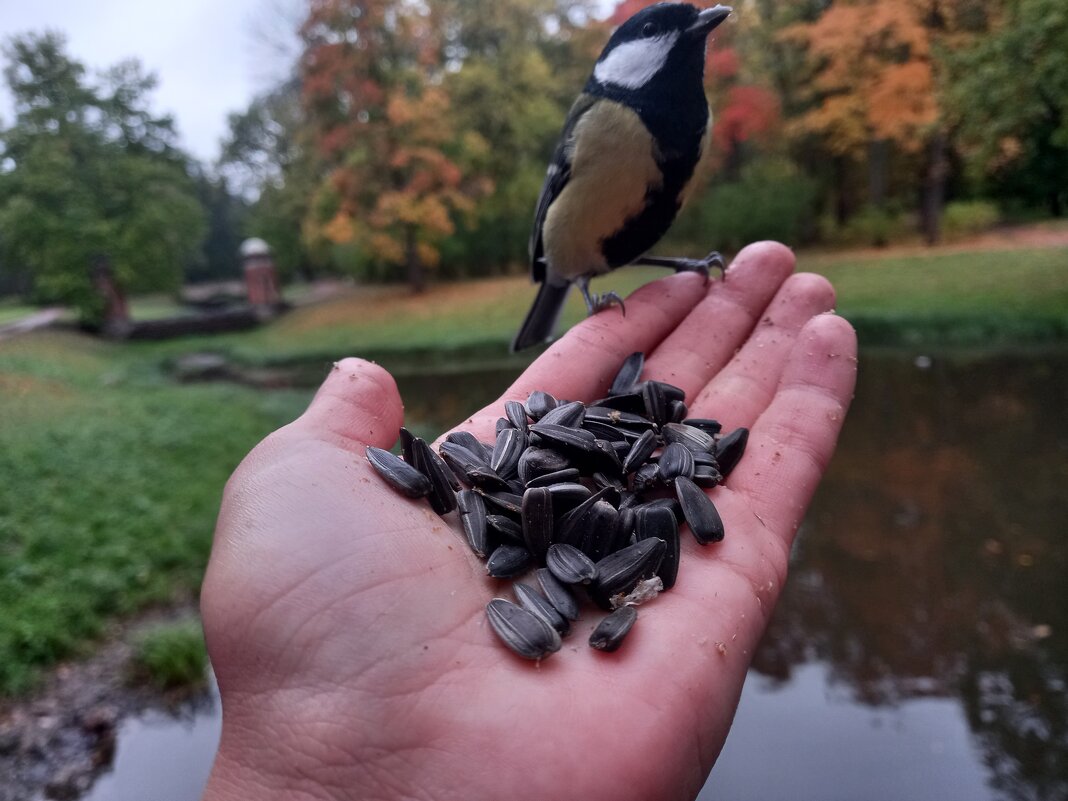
x=111 y=470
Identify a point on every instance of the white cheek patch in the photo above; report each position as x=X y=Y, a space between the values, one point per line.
x=632 y=64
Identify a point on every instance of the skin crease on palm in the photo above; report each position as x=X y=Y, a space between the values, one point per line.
x=346 y=623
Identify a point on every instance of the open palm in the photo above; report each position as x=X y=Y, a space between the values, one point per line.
x=346 y=623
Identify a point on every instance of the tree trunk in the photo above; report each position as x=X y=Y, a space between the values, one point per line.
x=934 y=187
x=878 y=157
x=841 y=193
x=416 y=274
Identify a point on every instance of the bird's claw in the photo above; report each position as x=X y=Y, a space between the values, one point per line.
x=596 y=303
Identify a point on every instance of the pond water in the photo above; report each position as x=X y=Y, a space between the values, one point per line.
x=920 y=650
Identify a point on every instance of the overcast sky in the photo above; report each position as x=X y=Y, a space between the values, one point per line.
x=211 y=56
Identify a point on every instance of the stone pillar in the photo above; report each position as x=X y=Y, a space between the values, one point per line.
x=261 y=278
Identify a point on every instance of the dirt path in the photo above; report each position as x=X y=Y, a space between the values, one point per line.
x=40 y=319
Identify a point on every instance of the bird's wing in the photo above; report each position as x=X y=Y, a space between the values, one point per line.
x=555 y=180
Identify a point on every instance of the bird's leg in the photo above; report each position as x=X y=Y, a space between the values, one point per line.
x=679 y=265
x=595 y=303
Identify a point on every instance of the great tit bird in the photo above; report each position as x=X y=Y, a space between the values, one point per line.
x=629 y=147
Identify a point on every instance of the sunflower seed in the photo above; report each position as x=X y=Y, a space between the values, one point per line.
x=516 y=414
x=578 y=439
x=628 y=374
x=643 y=591
x=609 y=634
x=578 y=517
x=625 y=521
x=468 y=440
x=508 y=502
x=699 y=511
x=461 y=458
x=566 y=476
x=605 y=431
x=442 y=496
x=653 y=522
x=569 y=415
x=602 y=480
x=406 y=439
x=539 y=404
x=523 y=632
x=677 y=411
x=675 y=461
x=557 y=593
x=730 y=448
x=641 y=450
x=483 y=477
x=539 y=461
x=508 y=561
x=569 y=564
x=398 y=474
x=505 y=457
x=538 y=521
x=507 y=528
x=646 y=477
x=693 y=438
x=631 y=403
x=566 y=496
x=706 y=476
x=616 y=417
x=620 y=571
x=536 y=603
x=473 y=519
x=707 y=425
x=501 y=425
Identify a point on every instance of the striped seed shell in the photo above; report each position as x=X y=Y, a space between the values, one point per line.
x=567 y=495
x=730 y=448
x=398 y=474
x=508 y=561
x=502 y=423
x=605 y=431
x=507 y=528
x=569 y=415
x=618 y=417
x=406 y=440
x=578 y=439
x=536 y=603
x=537 y=462
x=628 y=374
x=641 y=450
x=484 y=477
x=471 y=442
x=523 y=632
x=675 y=461
x=516 y=413
x=653 y=522
x=611 y=631
x=706 y=476
x=620 y=571
x=568 y=475
x=631 y=403
x=557 y=593
x=578 y=517
x=538 y=521
x=706 y=424
x=506 y=452
x=693 y=438
x=570 y=565
x=442 y=495
x=461 y=458
x=539 y=404
x=473 y=519
x=699 y=511
x=677 y=411
x=508 y=502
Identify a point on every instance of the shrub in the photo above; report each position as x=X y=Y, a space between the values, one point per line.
x=870 y=227
x=172 y=655
x=968 y=218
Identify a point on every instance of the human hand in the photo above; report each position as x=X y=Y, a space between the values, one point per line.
x=346 y=624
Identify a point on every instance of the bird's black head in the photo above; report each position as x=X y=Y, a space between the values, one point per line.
x=659 y=48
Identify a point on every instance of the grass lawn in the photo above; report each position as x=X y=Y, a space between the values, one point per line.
x=111 y=473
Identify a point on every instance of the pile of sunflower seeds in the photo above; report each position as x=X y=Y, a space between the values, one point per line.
x=589 y=495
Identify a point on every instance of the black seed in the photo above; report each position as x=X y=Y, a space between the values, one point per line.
x=605 y=431
x=502 y=424
x=566 y=496
x=523 y=632
x=567 y=476
x=442 y=495
x=579 y=517
x=616 y=417
x=693 y=438
x=510 y=446
x=646 y=477
x=538 y=521
x=706 y=459
x=671 y=504
x=537 y=604
x=508 y=561
x=406 y=439
x=569 y=415
x=675 y=461
x=669 y=391
x=730 y=448
x=539 y=461
x=677 y=411
x=708 y=425
x=602 y=480
x=699 y=511
x=473 y=519
x=620 y=571
x=659 y=523
x=557 y=593
x=631 y=403
x=609 y=634
x=625 y=522
x=706 y=476
x=601 y=532
x=628 y=374
x=398 y=474
x=539 y=404
x=506 y=501
x=507 y=528
x=468 y=440
x=570 y=565
x=578 y=439
x=655 y=402
x=641 y=450
x=460 y=458
x=483 y=477
x=516 y=414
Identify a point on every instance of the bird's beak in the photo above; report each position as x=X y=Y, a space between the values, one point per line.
x=709 y=19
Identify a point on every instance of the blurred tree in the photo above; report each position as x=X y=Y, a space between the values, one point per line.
x=373 y=90
x=1009 y=92
x=227 y=219
x=88 y=170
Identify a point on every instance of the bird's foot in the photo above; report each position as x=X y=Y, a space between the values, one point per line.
x=596 y=303
x=713 y=260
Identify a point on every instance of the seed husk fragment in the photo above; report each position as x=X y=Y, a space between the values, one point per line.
x=570 y=565
x=473 y=519
x=508 y=561
x=398 y=474
x=620 y=571
x=609 y=634
x=557 y=593
x=538 y=521
x=523 y=632
x=699 y=511
x=628 y=374
x=730 y=448
x=659 y=523
x=533 y=601
x=675 y=461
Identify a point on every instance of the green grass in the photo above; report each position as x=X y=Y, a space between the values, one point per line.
x=11 y=311
x=172 y=656
x=111 y=473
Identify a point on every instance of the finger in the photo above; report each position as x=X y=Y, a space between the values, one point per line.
x=710 y=335
x=358 y=404
x=582 y=364
x=792 y=442
x=742 y=390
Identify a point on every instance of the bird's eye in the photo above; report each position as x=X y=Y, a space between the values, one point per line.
x=649 y=29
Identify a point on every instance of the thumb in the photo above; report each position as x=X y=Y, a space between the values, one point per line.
x=358 y=403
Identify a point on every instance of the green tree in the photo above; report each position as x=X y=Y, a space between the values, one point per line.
x=88 y=170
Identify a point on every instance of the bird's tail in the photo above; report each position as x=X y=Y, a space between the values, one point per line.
x=541 y=319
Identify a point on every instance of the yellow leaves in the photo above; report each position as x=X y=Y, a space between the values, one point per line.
x=339 y=229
